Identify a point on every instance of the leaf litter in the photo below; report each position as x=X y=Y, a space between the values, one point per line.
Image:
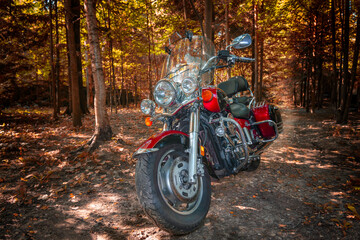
x=306 y=186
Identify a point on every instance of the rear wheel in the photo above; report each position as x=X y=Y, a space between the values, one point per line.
x=165 y=194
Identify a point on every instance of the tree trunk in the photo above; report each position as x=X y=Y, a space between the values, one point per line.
x=334 y=81
x=254 y=82
x=227 y=34
x=57 y=62
x=112 y=67
x=76 y=21
x=68 y=110
x=353 y=70
x=111 y=72
x=102 y=123
x=208 y=20
x=122 y=73
x=52 y=69
x=261 y=70
x=73 y=65
x=136 y=90
x=346 y=78
x=89 y=80
x=149 y=51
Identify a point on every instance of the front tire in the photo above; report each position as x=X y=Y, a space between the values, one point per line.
x=167 y=198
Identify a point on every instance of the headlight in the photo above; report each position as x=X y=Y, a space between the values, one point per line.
x=189 y=85
x=147 y=106
x=164 y=93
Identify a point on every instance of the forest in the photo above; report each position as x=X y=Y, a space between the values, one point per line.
x=308 y=50
x=74 y=72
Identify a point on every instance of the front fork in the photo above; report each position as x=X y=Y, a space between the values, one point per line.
x=194 y=142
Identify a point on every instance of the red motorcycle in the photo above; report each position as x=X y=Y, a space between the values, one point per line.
x=207 y=131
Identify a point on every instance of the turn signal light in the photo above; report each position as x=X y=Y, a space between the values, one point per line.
x=148 y=122
x=207 y=95
x=202 y=151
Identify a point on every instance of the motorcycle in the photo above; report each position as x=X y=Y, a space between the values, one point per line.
x=207 y=131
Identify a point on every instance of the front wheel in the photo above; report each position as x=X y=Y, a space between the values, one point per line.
x=166 y=196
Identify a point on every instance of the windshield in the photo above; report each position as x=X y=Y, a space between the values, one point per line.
x=186 y=60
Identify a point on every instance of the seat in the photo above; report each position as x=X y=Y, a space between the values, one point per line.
x=239 y=110
x=234 y=85
x=243 y=99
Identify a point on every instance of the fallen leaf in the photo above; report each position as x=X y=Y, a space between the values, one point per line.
x=353 y=210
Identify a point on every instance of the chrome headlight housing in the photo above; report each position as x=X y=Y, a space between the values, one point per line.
x=147 y=106
x=164 y=93
x=189 y=85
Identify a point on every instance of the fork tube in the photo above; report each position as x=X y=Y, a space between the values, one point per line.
x=194 y=134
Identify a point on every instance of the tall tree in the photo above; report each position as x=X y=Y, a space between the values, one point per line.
x=103 y=130
x=208 y=20
x=346 y=76
x=57 y=59
x=52 y=67
x=227 y=32
x=333 y=41
x=73 y=62
x=354 y=68
x=254 y=76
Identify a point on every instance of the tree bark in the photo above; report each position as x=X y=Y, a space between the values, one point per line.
x=227 y=34
x=346 y=78
x=89 y=80
x=208 y=20
x=261 y=70
x=333 y=40
x=353 y=70
x=57 y=61
x=75 y=88
x=149 y=50
x=254 y=76
x=52 y=73
x=103 y=130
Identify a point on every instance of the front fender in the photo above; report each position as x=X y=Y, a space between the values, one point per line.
x=155 y=142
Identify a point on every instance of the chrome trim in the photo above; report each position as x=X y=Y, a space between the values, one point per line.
x=165 y=126
x=253 y=101
x=194 y=135
x=162 y=115
x=247 y=134
x=145 y=150
x=243 y=139
x=275 y=128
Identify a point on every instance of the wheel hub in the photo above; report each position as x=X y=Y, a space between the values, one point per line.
x=179 y=181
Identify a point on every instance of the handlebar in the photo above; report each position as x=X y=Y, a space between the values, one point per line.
x=242 y=59
x=231 y=59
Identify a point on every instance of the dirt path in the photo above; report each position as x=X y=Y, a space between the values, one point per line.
x=307 y=187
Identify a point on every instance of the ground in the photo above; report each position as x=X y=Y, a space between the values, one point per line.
x=307 y=185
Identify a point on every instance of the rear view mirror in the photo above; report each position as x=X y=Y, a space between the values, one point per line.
x=242 y=41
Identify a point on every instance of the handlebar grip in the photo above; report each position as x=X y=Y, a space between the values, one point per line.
x=246 y=59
